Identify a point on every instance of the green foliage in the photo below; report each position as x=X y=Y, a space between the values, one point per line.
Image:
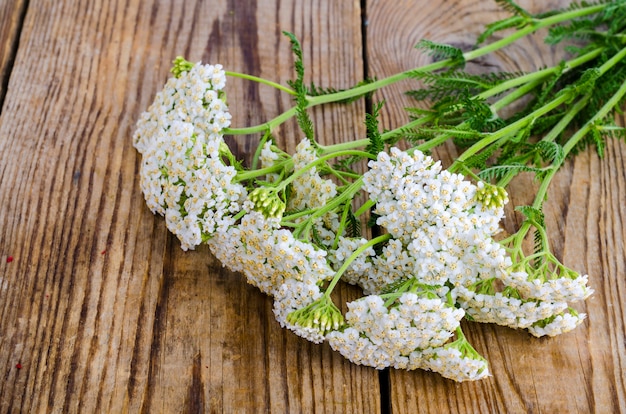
x=508 y=23
x=440 y=51
x=353 y=228
x=371 y=222
x=498 y=172
x=302 y=116
x=376 y=143
x=550 y=152
x=612 y=20
x=296 y=49
x=479 y=160
x=537 y=219
x=454 y=83
x=513 y=8
x=519 y=18
x=314 y=90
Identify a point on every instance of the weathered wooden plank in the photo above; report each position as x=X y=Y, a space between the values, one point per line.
x=100 y=308
x=582 y=371
x=11 y=16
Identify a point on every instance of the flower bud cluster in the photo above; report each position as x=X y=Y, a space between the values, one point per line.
x=490 y=196
x=267 y=201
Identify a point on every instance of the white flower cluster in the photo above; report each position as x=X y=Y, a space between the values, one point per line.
x=268 y=255
x=557 y=324
x=436 y=262
x=456 y=362
x=441 y=233
x=294 y=295
x=275 y=262
x=182 y=173
x=570 y=288
x=508 y=311
x=309 y=191
x=410 y=333
x=442 y=236
x=383 y=336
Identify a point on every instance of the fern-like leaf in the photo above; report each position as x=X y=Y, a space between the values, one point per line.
x=491 y=28
x=537 y=219
x=514 y=8
x=376 y=143
x=456 y=83
x=296 y=49
x=550 y=152
x=497 y=172
x=441 y=51
x=479 y=160
x=353 y=229
x=302 y=116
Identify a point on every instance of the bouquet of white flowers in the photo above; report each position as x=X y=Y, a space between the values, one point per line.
x=291 y=223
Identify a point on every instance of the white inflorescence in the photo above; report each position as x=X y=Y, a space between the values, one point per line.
x=436 y=262
x=443 y=234
x=558 y=324
x=381 y=336
x=182 y=174
x=291 y=296
x=267 y=255
x=451 y=362
x=565 y=289
x=309 y=191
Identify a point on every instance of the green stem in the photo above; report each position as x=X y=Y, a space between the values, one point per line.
x=508 y=130
x=347 y=194
x=580 y=134
x=261 y=80
x=526 y=84
x=365 y=207
x=499 y=44
x=353 y=256
x=248 y=175
x=571 y=143
x=320 y=160
x=359 y=143
x=269 y=125
x=373 y=86
x=259 y=149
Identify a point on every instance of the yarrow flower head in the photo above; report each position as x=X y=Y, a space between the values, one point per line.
x=458 y=361
x=442 y=226
x=541 y=276
x=183 y=175
x=382 y=333
x=268 y=255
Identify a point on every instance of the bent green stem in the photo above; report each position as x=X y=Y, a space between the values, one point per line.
x=260 y=80
x=370 y=243
x=535 y=25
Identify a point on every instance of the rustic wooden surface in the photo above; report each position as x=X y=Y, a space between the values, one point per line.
x=101 y=311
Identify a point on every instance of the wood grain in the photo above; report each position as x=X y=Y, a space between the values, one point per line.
x=100 y=309
x=11 y=17
x=582 y=371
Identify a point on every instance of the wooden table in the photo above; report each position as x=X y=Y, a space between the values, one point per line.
x=100 y=309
